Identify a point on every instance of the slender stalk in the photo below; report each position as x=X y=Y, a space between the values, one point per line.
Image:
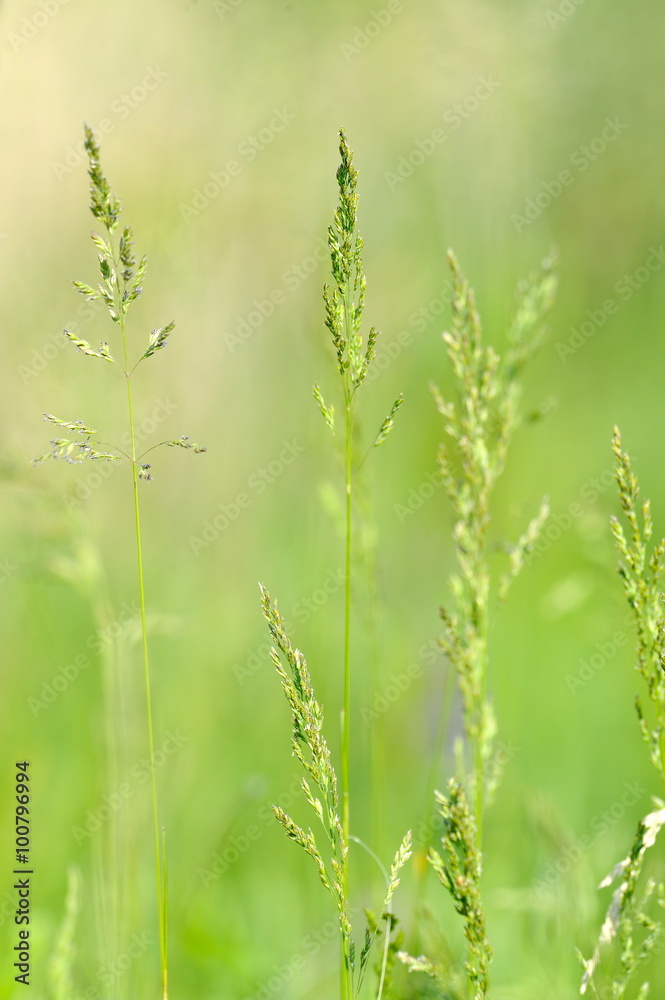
x=347 y=979
x=347 y=983
x=377 y=728
x=146 y=665
x=119 y=287
x=346 y=711
x=344 y=302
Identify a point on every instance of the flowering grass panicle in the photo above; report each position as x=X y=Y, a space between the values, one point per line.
x=479 y=427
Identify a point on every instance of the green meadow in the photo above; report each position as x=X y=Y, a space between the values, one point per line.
x=507 y=131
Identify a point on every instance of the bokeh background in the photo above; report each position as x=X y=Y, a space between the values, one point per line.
x=519 y=93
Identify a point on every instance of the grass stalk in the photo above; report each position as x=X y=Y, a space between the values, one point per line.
x=629 y=921
x=478 y=424
x=146 y=663
x=344 y=303
x=348 y=551
x=119 y=287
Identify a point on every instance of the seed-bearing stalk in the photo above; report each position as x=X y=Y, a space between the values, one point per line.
x=146 y=669
x=641 y=568
x=344 y=302
x=119 y=287
x=478 y=424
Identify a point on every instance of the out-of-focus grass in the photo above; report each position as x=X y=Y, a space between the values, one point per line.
x=223 y=78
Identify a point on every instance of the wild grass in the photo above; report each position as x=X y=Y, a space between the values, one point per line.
x=344 y=306
x=628 y=919
x=120 y=286
x=479 y=425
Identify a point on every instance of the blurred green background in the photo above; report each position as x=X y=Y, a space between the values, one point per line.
x=502 y=129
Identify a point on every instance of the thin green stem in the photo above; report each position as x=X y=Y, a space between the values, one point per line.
x=346 y=712
x=346 y=981
x=377 y=729
x=146 y=667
